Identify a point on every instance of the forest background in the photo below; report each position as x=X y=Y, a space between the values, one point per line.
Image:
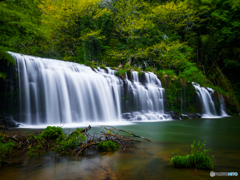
x=188 y=40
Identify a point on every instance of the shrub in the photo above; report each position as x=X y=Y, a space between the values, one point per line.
x=91 y=64
x=69 y=142
x=54 y=139
x=128 y=67
x=148 y=69
x=138 y=69
x=53 y=132
x=108 y=146
x=196 y=159
x=103 y=66
x=121 y=73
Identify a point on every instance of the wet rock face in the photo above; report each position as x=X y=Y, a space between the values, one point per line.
x=176 y=115
x=8 y=122
x=8 y=89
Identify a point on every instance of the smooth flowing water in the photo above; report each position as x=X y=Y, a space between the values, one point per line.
x=54 y=92
x=208 y=106
x=145 y=160
x=59 y=92
x=148 y=98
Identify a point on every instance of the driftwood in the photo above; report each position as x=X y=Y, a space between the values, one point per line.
x=86 y=129
x=25 y=143
x=113 y=128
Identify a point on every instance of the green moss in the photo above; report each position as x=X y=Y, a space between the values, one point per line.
x=108 y=146
x=121 y=73
x=103 y=66
x=138 y=69
x=128 y=67
x=91 y=64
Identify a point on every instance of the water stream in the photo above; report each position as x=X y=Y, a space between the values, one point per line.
x=53 y=91
x=208 y=105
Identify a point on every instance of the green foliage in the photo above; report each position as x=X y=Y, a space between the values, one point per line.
x=149 y=69
x=198 y=40
x=128 y=67
x=103 y=66
x=91 y=64
x=2 y=137
x=191 y=73
x=108 y=146
x=121 y=73
x=196 y=159
x=172 y=85
x=138 y=69
x=54 y=139
x=4 y=55
x=52 y=132
x=6 y=147
x=69 y=142
x=44 y=141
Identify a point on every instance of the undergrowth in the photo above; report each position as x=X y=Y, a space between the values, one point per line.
x=53 y=138
x=6 y=147
x=197 y=158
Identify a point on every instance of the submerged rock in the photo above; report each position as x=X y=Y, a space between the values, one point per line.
x=174 y=115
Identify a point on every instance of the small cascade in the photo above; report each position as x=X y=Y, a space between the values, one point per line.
x=208 y=106
x=222 y=106
x=53 y=92
x=147 y=98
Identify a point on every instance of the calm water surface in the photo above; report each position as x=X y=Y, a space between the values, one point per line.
x=145 y=160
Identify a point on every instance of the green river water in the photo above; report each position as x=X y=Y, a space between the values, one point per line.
x=146 y=160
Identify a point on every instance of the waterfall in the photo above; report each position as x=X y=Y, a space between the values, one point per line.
x=148 y=98
x=222 y=106
x=58 y=92
x=53 y=92
x=208 y=106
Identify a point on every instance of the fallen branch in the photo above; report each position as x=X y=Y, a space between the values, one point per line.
x=113 y=128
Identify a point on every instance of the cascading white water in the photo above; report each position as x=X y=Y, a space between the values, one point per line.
x=148 y=97
x=208 y=106
x=53 y=91
x=222 y=106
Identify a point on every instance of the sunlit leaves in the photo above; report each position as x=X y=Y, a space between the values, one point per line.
x=175 y=15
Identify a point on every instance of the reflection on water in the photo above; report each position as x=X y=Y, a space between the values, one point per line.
x=146 y=160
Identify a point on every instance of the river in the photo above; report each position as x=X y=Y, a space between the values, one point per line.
x=145 y=160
